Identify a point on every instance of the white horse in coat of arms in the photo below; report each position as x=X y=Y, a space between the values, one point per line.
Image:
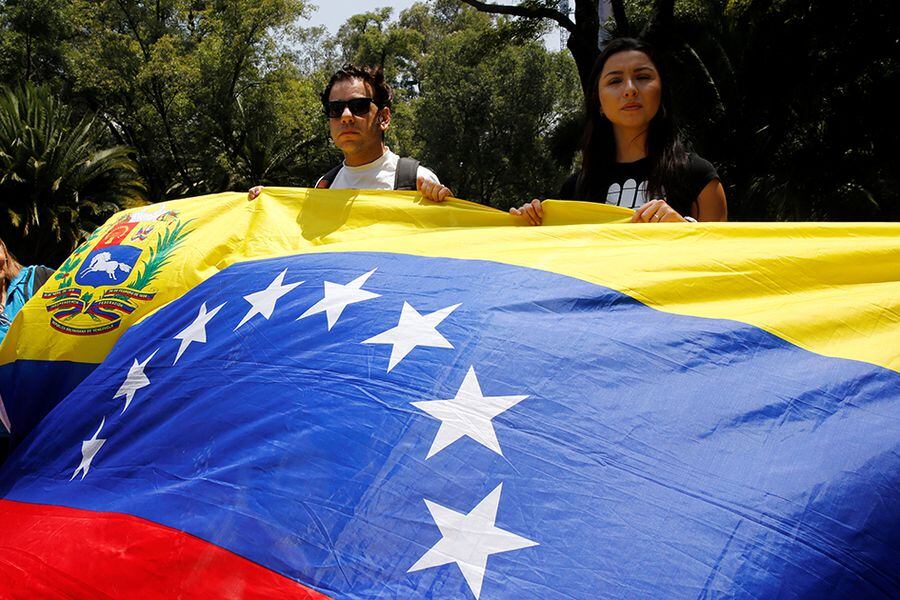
x=103 y=263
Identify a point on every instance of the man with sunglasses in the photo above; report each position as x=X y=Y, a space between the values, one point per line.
x=357 y=102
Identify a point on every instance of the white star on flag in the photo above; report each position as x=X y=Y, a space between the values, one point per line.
x=468 y=414
x=469 y=539
x=135 y=380
x=338 y=296
x=263 y=301
x=413 y=330
x=196 y=331
x=89 y=449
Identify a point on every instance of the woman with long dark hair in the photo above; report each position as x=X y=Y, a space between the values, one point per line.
x=632 y=154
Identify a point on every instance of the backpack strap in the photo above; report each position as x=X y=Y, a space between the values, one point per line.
x=40 y=277
x=326 y=179
x=405 y=177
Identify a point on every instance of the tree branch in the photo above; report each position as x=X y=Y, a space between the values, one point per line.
x=520 y=11
x=135 y=30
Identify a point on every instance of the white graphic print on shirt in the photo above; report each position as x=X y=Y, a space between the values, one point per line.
x=629 y=195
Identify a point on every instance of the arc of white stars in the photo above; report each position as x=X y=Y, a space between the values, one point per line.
x=196 y=331
x=469 y=539
x=263 y=301
x=413 y=330
x=468 y=414
x=338 y=297
x=134 y=381
x=89 y=449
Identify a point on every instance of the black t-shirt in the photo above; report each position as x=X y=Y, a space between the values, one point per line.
x=626 y=184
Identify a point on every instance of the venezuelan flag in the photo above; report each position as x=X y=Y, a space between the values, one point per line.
x=330 y=393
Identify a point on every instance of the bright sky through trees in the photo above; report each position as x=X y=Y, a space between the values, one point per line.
x=333 y=13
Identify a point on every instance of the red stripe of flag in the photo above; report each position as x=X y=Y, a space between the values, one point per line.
x=58 y=552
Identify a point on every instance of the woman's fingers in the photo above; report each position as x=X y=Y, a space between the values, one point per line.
x=670 y=215
x=665 y=214
x=656 y=211
x=528 y=211
x=532 y=212
x=645 y=212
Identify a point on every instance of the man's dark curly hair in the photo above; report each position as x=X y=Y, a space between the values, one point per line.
x=373 y=77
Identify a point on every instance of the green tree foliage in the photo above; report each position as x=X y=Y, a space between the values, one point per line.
x=57 y=180
x=33 y=34
x=207 y=92
x=491 y=104
x=372 y=39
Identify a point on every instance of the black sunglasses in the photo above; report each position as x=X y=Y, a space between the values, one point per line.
x=358 y=107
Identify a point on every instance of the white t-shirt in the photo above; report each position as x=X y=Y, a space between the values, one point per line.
x=376 y=175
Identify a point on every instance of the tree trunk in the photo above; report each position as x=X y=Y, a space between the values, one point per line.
x=584 y=41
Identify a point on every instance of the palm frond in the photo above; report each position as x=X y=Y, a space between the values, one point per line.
x=52 y=164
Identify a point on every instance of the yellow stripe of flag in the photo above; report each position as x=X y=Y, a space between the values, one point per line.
x=832 y=288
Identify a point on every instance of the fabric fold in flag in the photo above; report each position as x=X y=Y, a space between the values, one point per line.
x=355 y=394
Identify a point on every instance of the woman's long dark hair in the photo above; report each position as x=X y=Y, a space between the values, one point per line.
x=665 y=149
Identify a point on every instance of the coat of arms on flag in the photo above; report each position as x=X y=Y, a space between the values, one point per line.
x=109 y=275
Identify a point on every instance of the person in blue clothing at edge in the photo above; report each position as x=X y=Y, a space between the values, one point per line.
x=632 y=153
x=357 y=102
x=17 y=285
